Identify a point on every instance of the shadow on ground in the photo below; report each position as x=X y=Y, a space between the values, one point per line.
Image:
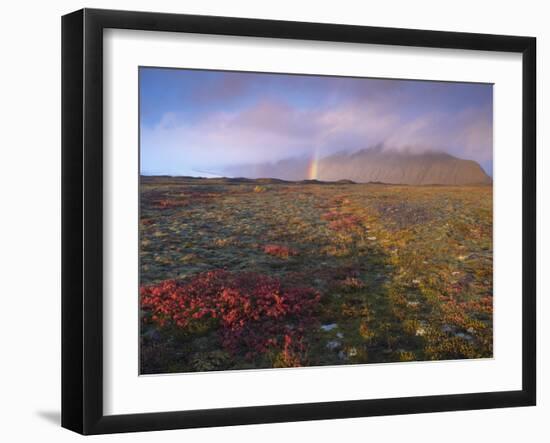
x=53 y=417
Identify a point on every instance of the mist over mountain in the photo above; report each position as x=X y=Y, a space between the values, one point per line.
x=377 y=164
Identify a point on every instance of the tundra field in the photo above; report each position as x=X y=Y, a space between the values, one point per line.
x=242 y=274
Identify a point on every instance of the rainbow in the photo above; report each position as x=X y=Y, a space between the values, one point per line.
x=313 y=167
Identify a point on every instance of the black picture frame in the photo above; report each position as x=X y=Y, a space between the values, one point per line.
x=82 y=218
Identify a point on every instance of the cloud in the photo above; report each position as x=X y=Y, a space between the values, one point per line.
x=292 y=116
x=267 y=131
x=467 y=134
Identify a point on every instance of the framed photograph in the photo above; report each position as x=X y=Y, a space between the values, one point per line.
x=268 y=221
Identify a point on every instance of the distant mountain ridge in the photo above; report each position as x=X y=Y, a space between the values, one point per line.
x=374 y=165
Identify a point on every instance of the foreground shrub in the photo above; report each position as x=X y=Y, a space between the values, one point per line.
x=253 y=314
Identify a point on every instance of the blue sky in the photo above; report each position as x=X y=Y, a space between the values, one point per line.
x=192 y=121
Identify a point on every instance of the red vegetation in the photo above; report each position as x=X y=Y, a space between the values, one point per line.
x=279 y=251
x=253 y=314
x=458 y=312
x=330 y=215
x=345 y=223
x=179 y=201
x=169 y=203
x=341 y=222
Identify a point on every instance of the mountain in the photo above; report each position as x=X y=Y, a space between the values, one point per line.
x=374 y=165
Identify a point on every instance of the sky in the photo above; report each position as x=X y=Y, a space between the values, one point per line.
x=201 y=123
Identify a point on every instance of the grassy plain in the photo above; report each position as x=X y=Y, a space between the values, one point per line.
x=401 y=273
